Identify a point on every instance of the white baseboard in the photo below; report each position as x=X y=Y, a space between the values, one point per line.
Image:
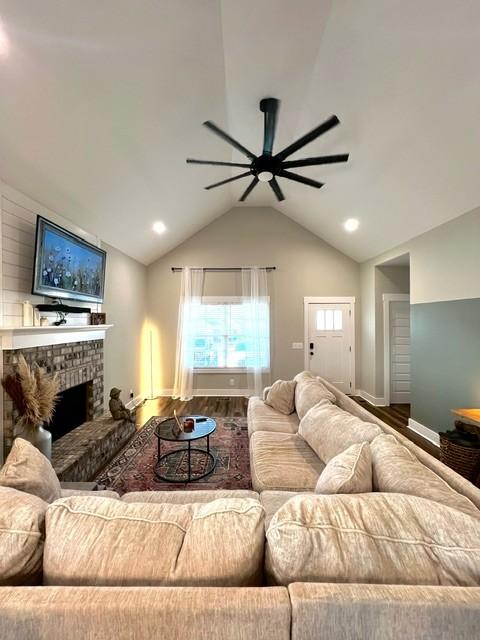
x=425 y=432
x=209 y=392
x=377 y=402
x=134 y=402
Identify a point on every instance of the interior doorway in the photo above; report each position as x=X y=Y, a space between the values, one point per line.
x=397 y=367
x=393 y=299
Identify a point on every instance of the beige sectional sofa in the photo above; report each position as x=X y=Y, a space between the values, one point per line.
x=197 y=563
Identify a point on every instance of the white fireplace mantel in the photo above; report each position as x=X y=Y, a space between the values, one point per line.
x=26 y=337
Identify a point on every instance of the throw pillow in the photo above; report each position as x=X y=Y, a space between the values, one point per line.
x=330 y=430
x=397 y=470
x=22 y=526
x=281 y=396
x=348 y=472
x=28 y=470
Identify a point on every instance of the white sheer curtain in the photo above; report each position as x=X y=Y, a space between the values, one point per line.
x=255 y=302
x=190 y=301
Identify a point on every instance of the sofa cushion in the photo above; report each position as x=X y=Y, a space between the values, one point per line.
x=304 y=375
x=93 y=541
x=329 y=430
x=283 y=462
x=22 y=519
x=281 y=396
x=261 y=417
x=309 y=392
x=187 y=497
x=103 y=493
x=132 y=613
x=397 y=470
x=348 y=472
x=273 y=500
x=372 y=538
x=26 y=469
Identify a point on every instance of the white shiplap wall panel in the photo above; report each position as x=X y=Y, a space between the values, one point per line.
x=17 y=248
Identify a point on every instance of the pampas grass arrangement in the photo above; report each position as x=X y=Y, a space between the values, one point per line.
x=33 y=392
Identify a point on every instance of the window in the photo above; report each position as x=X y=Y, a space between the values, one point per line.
x=222 y=335
x=329 y=320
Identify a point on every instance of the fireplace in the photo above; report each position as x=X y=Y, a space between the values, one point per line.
x=79 y=367
x=74 y=407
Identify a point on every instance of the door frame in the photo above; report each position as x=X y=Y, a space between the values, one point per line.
x=387 y=299
x=350 y=300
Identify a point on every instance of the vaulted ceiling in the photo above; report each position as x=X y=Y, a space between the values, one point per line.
x=102 y=101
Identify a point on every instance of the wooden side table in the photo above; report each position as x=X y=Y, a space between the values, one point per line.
x=469 y=419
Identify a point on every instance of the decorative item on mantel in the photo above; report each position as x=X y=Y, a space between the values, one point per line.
x=118 y=410
x=460 y=447
x=27 y=313
x=98 y=318
x=34 y=394
x=62 y=310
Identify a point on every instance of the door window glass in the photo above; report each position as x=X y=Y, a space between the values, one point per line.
x=329 y=320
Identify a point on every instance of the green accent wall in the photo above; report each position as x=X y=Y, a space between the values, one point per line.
x=445 y=352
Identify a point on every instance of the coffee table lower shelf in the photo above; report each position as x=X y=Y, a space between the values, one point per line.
x=188 y=476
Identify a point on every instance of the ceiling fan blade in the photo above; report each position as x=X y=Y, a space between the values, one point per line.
x=269 y=106
x=308 y=137
x=222 y=134
x=218 y=184
x=294 y=176
x=252 y=184
x=276 y=189
x=218 y=164
x=309 y=162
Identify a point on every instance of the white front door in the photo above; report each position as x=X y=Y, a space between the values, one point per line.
x=399 y=352
x=329 y=345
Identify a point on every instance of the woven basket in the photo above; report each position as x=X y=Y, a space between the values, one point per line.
x=463 y=460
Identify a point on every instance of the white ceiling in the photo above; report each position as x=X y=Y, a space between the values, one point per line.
x=101 y=102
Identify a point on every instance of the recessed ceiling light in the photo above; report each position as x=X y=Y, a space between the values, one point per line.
x=159 y=227
x=351 y=225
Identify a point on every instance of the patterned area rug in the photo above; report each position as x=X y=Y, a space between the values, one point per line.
x=133 y=468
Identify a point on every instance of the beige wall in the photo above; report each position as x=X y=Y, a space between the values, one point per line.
x=444 y=265
x=125 y=305
x=306 y=266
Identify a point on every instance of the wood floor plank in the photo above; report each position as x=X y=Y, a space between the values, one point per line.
x=396 y=416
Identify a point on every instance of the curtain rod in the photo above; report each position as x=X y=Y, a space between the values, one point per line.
x=175 y=269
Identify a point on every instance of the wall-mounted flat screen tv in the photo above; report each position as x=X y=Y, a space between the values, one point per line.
x=66 y=266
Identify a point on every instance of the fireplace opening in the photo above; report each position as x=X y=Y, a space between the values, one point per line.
x=71 y=410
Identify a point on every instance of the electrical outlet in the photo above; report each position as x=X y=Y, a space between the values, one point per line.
x=297 y=345
x=231 y=382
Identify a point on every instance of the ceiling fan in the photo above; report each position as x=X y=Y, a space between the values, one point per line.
x=268 y=167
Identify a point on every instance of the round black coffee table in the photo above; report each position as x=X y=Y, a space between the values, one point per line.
x=204 y=427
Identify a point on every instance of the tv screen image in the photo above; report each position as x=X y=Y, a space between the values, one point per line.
x=66 y=266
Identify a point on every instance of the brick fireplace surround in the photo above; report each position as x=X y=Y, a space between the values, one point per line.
x=74 y=363
x=81 y=453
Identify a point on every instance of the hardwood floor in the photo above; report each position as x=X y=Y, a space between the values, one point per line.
x=396 y=415
x=214 y=406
